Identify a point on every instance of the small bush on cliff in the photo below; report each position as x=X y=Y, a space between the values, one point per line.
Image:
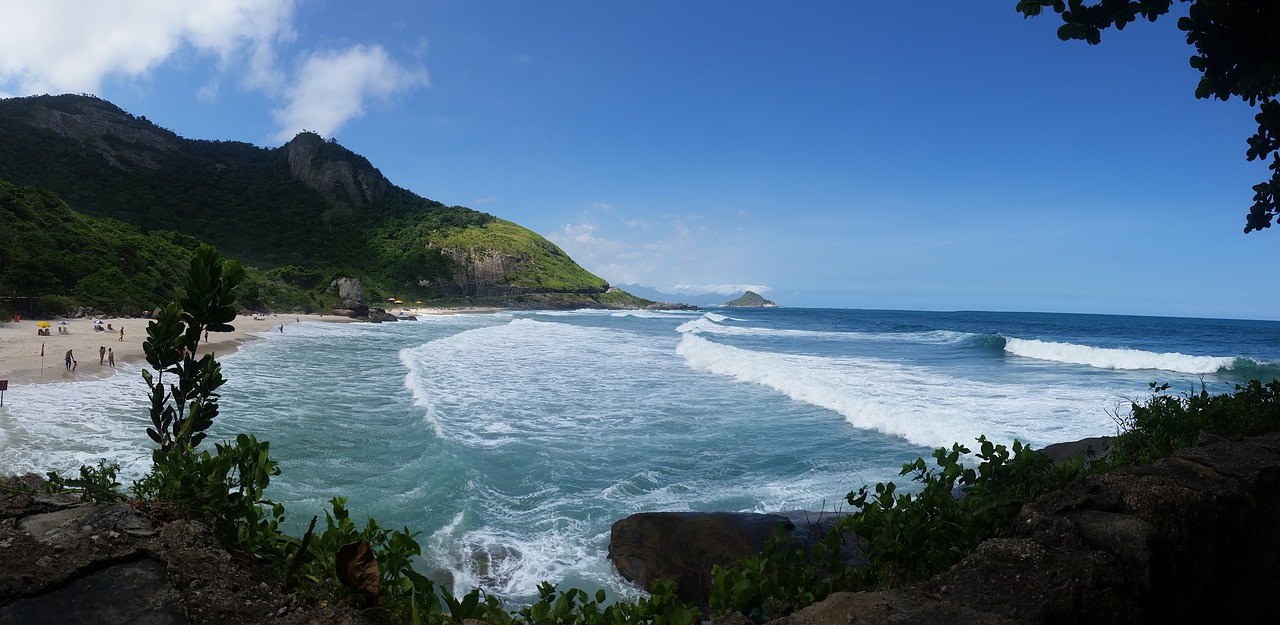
x=909 y=536
x=785 y=577
x=1165 y=423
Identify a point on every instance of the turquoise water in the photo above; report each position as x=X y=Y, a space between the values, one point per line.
x=513 y=441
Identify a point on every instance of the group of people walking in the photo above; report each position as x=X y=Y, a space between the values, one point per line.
x=106 y=355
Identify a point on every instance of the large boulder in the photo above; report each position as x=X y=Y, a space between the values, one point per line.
x=684 y=546
x=351 y=292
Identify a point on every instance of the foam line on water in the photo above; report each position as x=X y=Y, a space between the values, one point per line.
x=711 y=323
x=921 y=405
x=1116 y=358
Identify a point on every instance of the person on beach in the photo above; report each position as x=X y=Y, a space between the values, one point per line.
x=122 y=333
x=102 y=354
x=67 y=360
x=111 y=357
x=281 y=329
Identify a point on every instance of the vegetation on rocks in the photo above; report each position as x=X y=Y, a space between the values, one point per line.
x=138 y=198
x=910 y=534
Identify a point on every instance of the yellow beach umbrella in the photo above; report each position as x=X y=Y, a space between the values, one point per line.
x=43 y=324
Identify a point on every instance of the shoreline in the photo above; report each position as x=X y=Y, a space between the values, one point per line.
x=20 y=346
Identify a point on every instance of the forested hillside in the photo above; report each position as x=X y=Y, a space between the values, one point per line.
x=297 y=215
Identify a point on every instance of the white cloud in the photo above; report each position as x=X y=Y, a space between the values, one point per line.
x=718 y=289
x=678 y=250
x=59 y=46
x=331 y=88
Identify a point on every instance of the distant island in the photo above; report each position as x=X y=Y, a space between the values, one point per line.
x=750 y=299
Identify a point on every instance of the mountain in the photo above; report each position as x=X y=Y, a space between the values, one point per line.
x=750 y=299
x=309 y=210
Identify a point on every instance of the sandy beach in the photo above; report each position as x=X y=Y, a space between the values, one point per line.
x=20 y=346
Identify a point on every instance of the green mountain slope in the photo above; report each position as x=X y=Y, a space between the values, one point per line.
x=310 y=209
x=57 y=256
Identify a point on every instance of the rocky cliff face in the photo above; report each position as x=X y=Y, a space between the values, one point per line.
x=346 y=180
x=483 y=273
x=105 y=129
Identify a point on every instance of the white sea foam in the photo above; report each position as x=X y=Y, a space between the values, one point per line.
x=712 y=323
x=923 y=406
x=1114 y=358
x=652 y=314
x=61 y=426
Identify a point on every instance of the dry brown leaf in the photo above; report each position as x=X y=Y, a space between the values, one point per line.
x=358 y=569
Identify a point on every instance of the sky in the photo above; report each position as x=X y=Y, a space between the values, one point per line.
x=827 y=153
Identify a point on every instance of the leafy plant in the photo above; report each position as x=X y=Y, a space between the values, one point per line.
x=785 y=577
x=1164 y=423
x=95 y=483
x=911 y=535
x=576 y=607
x=402 y=590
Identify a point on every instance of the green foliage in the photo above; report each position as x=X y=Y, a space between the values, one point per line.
x=94 y=484
x=1237 y=54
x=403 y=591
x=244 y=199
x=576 y=607
x=545 y=266
x=65 y=259
x=622 y=298
x=785 y=577
x=224 y=489
x=909 y=536
x=1165 y=423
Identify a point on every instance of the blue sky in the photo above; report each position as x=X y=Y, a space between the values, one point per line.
x=937 y=155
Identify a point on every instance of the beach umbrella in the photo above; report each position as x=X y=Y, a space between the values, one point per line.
x=62 y=323
x=43 y=324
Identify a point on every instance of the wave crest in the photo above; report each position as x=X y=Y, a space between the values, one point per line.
x=1116 y=358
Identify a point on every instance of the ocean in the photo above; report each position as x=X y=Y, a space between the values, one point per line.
x=513 y=441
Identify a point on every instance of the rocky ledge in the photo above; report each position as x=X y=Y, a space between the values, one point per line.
x=69 y=562
x=1194 y=538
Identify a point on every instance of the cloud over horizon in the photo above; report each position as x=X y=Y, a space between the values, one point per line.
x=61 y=46
x=67 y=46
x=332 y=87
x=664 y=254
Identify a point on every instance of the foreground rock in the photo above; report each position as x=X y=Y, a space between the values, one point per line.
x=1194 y=538
x=69 y=562
x=684 y=546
